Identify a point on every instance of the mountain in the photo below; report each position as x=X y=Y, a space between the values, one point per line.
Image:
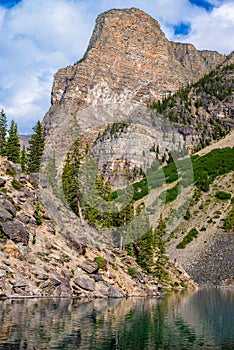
x=37 y=259
x=135 y=191
x=129 y=63
x=136 y=102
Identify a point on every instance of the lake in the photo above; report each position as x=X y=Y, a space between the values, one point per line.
x=202 y=319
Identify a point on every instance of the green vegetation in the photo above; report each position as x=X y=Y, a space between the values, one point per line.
x=228 y=222
x=170 y=194
x=38 y=214
x=11 y=171
x=102 y=263
x=149 y=251
x=223 y=195
x=36 y=148
x=3 y=133
x=132 y=272
x=188 y=238
x=13 y=143
x=208 y=167
x=23 y=159
x=16 y=184
x=186 y=106
x=89 y=194
x=113 y=130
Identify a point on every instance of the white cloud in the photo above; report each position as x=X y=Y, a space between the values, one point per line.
x=214 y=30
x=38 y=37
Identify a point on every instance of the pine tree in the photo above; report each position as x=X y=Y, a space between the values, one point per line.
x=160 y=248
x=13 y=143
x=36 y=148
x=70 y=178
x=3 y=133
x=23 y=159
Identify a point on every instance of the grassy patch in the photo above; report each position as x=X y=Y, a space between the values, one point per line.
x=188 y=238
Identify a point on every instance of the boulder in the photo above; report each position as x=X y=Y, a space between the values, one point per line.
x=115 y=293
x=20 y=284
x=54 y=282
x=3 y=273
x=84 y=282
x=90 y=266
x=24 y=218
x=15 y=231
x=7 y=205
x=5 y=215
x=2 y=182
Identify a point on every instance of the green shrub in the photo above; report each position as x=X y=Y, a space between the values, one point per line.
x=101 y=262
x=228 y=222
x=193 y=233
x=11 y=172
x=132 y=272
x=171 y=194
x=222 y=195
x=38 y=214
x=16 y=184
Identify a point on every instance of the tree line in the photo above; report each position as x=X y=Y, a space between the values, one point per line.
x=30 y=158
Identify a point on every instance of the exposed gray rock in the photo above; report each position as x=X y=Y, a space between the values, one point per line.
x=140 y=277
x=86 y=283
x=20 y=284
x=115 y=293
x=15 y=231
x=7 y=205
x=90 y=266
x=50 y=227
x=2 y=182
x=42 y=277
x=3 y=273
x=24 y=218
x=66 y=273
x=54 y=282
x=5 y=215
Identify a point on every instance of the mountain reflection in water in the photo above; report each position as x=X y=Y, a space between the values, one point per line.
x=191 y=320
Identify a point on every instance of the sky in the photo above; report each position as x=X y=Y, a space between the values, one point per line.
x=38 y=37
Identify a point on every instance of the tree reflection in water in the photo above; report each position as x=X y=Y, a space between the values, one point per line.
x=198 y=320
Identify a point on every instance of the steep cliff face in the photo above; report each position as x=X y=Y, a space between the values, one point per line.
x=129 y=59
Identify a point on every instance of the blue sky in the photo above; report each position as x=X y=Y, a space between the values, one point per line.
x=40 y=36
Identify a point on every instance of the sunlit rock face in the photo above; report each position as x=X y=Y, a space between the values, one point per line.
x=128 y=64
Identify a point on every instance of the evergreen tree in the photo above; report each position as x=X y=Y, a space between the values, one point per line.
x=70 y=178
x=23 y=159
x=160 y=249
x=13 y=143
x=36 y=148
x=3 y=133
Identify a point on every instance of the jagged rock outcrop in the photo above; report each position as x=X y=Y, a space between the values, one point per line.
x=38 y=259
x=129 y=59
x=129 y=62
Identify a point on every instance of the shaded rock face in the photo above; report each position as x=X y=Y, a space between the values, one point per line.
x=16 y=231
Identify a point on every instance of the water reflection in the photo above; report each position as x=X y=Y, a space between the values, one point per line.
x=198 y=320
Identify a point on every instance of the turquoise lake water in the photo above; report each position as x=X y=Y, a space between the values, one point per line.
x=191 y=320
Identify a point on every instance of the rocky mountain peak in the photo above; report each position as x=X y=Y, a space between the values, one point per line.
x=125 y=30
x=129 y=59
